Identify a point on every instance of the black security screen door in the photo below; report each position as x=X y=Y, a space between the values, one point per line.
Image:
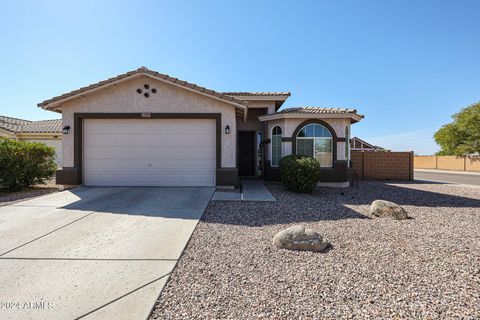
x=246 y=153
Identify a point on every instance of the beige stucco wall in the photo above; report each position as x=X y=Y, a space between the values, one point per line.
x=123 y=98
x=289 y=125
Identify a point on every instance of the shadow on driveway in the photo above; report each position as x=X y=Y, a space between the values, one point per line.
x=179 y=203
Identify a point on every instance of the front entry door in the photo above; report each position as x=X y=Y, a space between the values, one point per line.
x=246 y=153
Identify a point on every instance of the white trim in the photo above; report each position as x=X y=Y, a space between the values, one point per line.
x=271 y=145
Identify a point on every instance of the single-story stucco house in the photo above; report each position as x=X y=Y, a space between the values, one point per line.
x=144 y=128
x=48 y=132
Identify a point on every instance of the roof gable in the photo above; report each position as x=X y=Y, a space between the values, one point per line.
x=56 y=101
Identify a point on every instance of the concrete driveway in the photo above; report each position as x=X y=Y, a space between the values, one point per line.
x=93 y=253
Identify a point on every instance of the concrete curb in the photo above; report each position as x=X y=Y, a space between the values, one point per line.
x=448 y=171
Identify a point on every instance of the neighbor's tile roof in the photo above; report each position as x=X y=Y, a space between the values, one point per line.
x=256 y=94
x=15 y=125
x=12 y=124
x=317 y=110
x=43 y=126
x=144 y=70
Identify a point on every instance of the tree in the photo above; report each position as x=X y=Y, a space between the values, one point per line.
x=462 y=136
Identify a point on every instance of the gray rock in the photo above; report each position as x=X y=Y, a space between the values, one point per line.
x=298 y=238
x=387 y=209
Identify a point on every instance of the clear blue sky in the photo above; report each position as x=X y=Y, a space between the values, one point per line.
x=406 y=65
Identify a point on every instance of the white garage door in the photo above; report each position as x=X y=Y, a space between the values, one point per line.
x=149 y=152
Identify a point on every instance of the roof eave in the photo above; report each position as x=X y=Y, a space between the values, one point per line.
x=261 y=98
x=55 y=103
x=353 y=116
x=279 y=99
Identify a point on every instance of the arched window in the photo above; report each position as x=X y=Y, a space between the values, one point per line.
x=315 y=140
x=276 y=145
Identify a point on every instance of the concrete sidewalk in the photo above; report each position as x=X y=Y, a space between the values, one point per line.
x=94 y=253
x=256 y=191
x=251 y=190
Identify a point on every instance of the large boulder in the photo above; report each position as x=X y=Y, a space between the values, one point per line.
x=297 y=237
x=387 y=209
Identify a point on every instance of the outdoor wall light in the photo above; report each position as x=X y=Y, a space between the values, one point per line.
x=66 y=129
x=227 y=129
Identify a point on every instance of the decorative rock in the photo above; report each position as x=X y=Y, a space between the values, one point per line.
x=298 y=238
x=385 y=209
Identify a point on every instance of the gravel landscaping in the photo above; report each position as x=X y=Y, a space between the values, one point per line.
x=425 y=267
x=7 y=198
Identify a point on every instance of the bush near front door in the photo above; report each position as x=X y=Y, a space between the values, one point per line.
x=299 y=173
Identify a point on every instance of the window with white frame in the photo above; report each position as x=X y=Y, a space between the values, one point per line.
x=315 y=140
x=276 y=145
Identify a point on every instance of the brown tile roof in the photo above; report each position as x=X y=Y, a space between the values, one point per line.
x=12 y=124
x=318 y=110
x=43 y=126
x=144 y=70
x=16 y=125
x=257 y=94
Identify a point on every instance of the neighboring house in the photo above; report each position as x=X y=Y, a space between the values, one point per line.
x=144 y=128
x=45 y=131
x=357 y=144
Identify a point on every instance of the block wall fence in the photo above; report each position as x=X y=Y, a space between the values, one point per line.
x=452 y=163
x=383 y=165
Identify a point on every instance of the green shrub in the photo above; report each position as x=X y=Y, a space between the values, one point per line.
x=24 y=164
x=299 y=173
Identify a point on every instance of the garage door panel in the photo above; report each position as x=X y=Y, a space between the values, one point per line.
x=150 y=152
x=117 y=165
x=155 y=140
x=151 y=179
x=142 y=152
x=169 y=125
